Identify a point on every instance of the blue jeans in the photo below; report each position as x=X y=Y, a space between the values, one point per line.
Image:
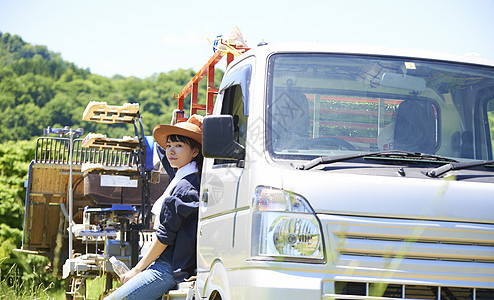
x=151 y=283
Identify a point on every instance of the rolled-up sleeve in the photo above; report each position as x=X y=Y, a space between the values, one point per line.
x=173 y=213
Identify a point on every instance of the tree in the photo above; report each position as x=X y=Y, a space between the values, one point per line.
x=14 y=165
x=31 y=270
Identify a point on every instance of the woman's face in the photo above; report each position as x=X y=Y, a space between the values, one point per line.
x=180 y=154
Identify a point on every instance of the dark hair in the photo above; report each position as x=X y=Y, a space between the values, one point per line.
x=193 y=144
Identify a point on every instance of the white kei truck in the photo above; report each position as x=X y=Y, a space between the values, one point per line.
x=339 y=172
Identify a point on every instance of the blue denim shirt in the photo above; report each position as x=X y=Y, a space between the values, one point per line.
x=178 y=223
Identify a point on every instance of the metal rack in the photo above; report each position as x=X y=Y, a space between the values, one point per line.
x=108 y=149
x=206 y=71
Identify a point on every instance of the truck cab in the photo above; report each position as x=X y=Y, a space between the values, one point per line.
x=339 y=172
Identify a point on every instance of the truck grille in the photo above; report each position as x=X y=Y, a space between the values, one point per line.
x=367 y=290
x=378 y=258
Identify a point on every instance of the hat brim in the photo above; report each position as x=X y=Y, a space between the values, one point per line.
x=161 y=133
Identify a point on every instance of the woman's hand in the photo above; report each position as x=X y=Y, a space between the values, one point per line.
x=127 y=276
x=153 y=253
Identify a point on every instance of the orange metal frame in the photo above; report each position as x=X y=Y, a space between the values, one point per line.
x=192 y=87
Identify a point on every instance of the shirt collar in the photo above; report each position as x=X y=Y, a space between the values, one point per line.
x=186 y=170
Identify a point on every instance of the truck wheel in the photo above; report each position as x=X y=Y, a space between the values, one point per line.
x=215 y=296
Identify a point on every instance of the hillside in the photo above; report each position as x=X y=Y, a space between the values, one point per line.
x=39 y=89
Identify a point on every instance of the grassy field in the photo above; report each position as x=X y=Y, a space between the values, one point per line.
x=15 y=290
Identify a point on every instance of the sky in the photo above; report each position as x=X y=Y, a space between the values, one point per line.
x=144 y=37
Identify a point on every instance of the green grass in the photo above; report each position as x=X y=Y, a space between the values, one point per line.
x=95 y=288
x=13 y=288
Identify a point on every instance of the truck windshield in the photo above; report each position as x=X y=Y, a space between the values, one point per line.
x=327 y=104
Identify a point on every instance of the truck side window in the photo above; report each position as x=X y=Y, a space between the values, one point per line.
x=233 y=104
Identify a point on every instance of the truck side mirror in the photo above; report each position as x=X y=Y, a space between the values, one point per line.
x=218 y=140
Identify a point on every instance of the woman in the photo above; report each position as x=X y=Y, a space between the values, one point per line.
x=172 y=256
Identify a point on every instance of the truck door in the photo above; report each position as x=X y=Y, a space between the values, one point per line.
x=220 y=178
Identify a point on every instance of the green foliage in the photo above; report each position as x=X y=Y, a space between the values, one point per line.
x=14 y=163
x=21 y=275
x=38 y=89
x=25 y=58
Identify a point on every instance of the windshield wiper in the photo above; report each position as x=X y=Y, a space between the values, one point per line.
x=389 y=154
x=457 y=166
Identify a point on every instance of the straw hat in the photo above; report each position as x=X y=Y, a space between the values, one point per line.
x=192 y=129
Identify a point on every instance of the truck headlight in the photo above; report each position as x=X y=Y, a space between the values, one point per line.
x=285 y=226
